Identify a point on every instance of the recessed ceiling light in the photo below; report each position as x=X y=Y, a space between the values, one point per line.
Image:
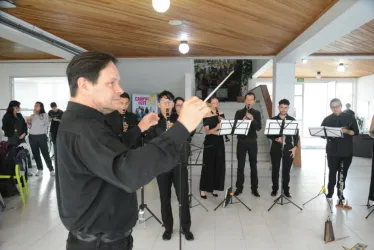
x=304 y=60
x=175 y=22
x=183 y=47
x=341 y=67
x=318 y=76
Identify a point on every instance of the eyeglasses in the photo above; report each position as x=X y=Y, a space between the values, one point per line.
x=178 y=105
x=167 y=102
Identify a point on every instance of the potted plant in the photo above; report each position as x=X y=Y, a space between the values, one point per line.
x=243 y=72
x=360 y=123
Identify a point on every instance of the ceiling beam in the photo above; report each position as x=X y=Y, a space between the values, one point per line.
x=340 y=56
x=34 y=39
x=341 y=19
x=260 y=67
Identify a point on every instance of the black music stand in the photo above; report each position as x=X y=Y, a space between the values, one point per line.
x=371 y=191
x=142 y=205
x=190 y=164
x=233 y=127
x=281 y=128
x=324 y=133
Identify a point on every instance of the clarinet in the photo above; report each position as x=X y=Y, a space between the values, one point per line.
x=227 y=139
x=124 y=122
x=167 y=118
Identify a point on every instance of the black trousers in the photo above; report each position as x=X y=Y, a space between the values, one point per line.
x=180 y=184
x=334 y=163
x=73 y=243
x=371 y=191
x=243 y=148
x=55 y=153
x=275 y=155
x=39 y=143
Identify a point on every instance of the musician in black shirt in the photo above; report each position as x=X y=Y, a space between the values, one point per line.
x=248 y=144
x=122 y=121
x=339 y=150
x=289 y=152
x=177 y=176
x=55 y=115
x=98 y=175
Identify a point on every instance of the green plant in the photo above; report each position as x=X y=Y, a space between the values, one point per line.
x=244 y=70
x=360 y=123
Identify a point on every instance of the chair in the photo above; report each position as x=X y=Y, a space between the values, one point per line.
x=17 y=177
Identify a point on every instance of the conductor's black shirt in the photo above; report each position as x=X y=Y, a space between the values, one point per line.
x=341 y=147
x=255 y=124
x=97 y=175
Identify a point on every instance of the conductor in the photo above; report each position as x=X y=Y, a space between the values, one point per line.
x=98 y=175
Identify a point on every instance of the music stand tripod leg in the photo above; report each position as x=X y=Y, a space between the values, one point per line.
x=370 y=212
x=143 y=206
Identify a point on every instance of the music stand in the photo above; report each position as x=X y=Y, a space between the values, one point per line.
x=233 y=127
x=142 y=205
x=281 y=128
x=324 y=133
x=190 y=195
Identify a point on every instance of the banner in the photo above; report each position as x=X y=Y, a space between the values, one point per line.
x=143 y=104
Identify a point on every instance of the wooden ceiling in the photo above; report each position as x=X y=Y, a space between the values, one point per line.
x=14 y=51
x=131 y=28
x=328 y=68
x=359 y=41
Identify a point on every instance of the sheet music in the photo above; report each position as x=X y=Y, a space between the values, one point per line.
x=241 y=128
x=273 y=127
x=330 y=131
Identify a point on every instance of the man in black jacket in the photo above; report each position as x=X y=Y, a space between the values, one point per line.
x=98 y=175
x=339 y=150
x=248 y=144
x=289 y=152
x=122 y=121
x=177 y=176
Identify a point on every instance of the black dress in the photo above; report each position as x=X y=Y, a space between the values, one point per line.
x=214 y=163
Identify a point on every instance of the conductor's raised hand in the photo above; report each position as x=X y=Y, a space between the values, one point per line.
x=148 y=121
x=192 y=113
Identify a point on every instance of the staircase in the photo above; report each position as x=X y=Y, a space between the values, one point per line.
x=229 y=109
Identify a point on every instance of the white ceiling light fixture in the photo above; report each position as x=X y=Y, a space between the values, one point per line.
x=175 y=22
x=341 y=67
x=304 y=60
x=318 y=76
x=161 y=5
x=184 y=47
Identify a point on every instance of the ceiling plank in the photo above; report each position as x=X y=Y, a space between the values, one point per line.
x=131 y=28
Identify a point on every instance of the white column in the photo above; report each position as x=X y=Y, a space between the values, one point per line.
x=283 y=85
x=189 y=87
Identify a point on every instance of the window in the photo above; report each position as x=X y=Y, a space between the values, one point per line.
x=43 y=89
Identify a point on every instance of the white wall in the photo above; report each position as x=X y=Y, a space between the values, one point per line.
x=365 y=98
x=137 y=75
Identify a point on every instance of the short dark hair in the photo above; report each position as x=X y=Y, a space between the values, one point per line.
x=284 y=102
x=87 y=65
x=178 y=99
x=53 y=105
x=250 y=93
x=211 y=99
x=336 y=100
x=125 y=95
x=166 y=94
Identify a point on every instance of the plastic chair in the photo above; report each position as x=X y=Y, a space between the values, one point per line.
x=18 y=177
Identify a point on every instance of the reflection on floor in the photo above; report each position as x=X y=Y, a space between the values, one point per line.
x=38 y=227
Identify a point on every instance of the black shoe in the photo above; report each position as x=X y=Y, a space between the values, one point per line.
x=215 y=195
x=287 y=194
x=238 y=191
x=167 y=235
x=188 y=235
x=274 y=193
x=203 y=196
x=255 y=193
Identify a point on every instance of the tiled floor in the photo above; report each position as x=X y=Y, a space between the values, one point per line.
x=37 y=226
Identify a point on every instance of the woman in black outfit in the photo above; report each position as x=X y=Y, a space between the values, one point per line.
x=214 y=163
x=14 y=125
